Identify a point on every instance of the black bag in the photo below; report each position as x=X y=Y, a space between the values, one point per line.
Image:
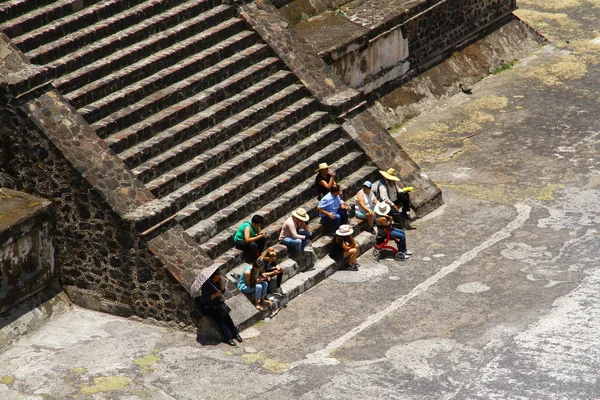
x=223 y=309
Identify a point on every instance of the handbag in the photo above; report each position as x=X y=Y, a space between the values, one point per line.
x=223 y=308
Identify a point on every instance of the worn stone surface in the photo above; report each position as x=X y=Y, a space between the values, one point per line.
x=520 y=218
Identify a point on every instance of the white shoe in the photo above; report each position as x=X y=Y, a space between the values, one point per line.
x=408 y=253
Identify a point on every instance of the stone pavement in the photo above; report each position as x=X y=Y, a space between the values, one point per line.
x=499 y=301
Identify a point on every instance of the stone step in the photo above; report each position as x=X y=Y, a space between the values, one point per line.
x=214 y=104
x=166 y=66
x=218 y=245
x=232 y=258
x=158 y=210
x=63 y=36
x=201 y=32
x=16 y=8
x=278 y=171
x=134 y=43
x=265 y=193
x=243 y=312
x=170 y=85
x=222 y=241
x=180 y=164
x=40 y=16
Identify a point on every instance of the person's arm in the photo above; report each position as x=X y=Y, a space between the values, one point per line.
x=249 y=239
x=345 y=245
x=327 y=183
x=374 y=198
x=321 y=208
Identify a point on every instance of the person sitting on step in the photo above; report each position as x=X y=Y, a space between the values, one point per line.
x=270 y=270
x=324 y=180
x=295 y=233
x=252 y=281
x=384 y=223
x=365 y=201
x=387 y=191
x=213 y=306
x=332 y=209
x=345 y=247
x=250 y=238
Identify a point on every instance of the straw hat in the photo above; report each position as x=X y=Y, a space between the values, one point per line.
x=382 y=209
x=344 y=230
x=390 y=174
x=323 y=165
x=301 y=214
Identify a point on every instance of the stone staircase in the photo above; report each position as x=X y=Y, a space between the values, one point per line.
x=195 y=104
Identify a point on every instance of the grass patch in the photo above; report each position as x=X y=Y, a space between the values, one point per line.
x=396 y=127
x=504 y=66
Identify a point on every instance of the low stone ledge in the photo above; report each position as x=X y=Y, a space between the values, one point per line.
x=26 y=249
x=180 y=254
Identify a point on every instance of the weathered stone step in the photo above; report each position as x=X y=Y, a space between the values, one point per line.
x=300 y=195
x=268 y=193
x=214 y=104
x=168 y=87
x=50 y=42
x=135 y=43
x=15 y=8
x=39 y=16
x=167 y=65
x=156 y=211
x=277 y=169
x=176 y=165
x=209 y=28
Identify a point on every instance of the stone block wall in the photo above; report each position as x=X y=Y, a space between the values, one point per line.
x=416 y=36
x=105 y=264
x=26 y=252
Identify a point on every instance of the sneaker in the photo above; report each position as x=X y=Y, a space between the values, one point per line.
x=408 y=252
x=406 y=256
x=352 y=267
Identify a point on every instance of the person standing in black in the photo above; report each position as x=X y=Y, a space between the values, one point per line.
x=212 y=305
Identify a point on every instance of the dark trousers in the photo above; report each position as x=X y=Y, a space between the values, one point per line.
x=228 y=328
x=331 y=225
x=403 y=203
x=274 y=285
x=252 y=250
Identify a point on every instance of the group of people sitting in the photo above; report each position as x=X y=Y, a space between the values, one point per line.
x=383 y=205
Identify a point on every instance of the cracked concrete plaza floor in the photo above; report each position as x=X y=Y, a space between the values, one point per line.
x=501 y=299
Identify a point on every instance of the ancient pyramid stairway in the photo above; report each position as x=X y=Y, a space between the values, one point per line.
x=195 y=105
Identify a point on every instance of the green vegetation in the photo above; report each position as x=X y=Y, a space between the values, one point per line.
x=396 y=127
x=504 y=66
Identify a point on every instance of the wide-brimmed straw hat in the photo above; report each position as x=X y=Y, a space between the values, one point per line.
x=390 y=174
x=344 y=230
x=382 y=209
x=301 y=214
x=323 y=165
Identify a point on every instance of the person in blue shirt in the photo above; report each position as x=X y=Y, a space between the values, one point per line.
x=332 y=209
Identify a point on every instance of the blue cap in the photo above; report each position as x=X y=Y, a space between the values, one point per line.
x=367 y=184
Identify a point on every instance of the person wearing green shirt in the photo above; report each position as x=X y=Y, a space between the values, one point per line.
x=250 y=238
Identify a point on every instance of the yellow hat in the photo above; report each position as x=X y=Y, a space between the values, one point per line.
x=323 y=165
x=390 y=174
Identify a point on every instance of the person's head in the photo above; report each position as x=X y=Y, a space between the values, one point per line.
x=270 y=255
x=300 y=214
x=344 y=230
x=389 y=175
x=216 y=276
x=382 y=221
x=258 y=221
x=382 y=209
x=323 y=169
x=336 y=189
x=367 y=187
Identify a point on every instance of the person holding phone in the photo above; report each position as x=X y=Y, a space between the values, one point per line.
x=250 y=238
